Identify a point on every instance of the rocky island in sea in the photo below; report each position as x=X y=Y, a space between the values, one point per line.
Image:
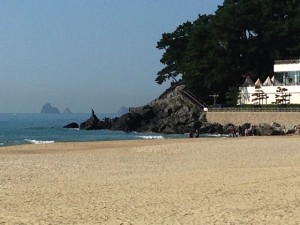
x=48 y=108
x=123 y=110
x=67 y=111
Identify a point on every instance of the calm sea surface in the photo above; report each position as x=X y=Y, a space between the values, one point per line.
x=35 y=128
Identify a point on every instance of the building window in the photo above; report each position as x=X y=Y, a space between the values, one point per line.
x=288 y=78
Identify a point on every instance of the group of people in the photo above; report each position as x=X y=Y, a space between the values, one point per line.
x=234 y=132
x=247 y=131
x=192 y=133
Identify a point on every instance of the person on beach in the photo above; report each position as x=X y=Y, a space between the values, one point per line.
x=250 y=131
x=246 y=132
x=191 y=134
x=233 y=132
x=240 y=131
x=197 y=133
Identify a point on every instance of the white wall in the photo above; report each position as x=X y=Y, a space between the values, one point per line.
x=246 y=94
x=286 y=67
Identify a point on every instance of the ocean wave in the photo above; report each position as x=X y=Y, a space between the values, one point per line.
x=151 y=137
x=38 y=141
x=216 y=135
x=72 y=128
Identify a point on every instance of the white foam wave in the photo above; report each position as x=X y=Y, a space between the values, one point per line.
x=73 y=128
x=217 y=135
x=39 y=142
x=151 y=137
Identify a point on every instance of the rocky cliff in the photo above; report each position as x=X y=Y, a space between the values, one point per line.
x=175 y=111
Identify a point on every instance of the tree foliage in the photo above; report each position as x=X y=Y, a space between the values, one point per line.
x=212 y=53
x=175 y=45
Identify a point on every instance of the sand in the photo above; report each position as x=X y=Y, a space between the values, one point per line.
x=247 y=180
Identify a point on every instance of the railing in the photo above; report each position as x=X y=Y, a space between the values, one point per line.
x=291 y=61
x=256 y=109
x=193 y=99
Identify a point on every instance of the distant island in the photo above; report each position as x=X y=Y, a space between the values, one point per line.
x=123 y=110
x=67 y=111
x=49 y=109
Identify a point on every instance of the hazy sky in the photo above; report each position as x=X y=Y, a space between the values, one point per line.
x=87 y=54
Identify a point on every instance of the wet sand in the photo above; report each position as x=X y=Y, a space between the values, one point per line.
x=247 y=180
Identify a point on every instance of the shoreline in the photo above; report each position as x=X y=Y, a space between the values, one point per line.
x=91 y=145
x=69 y=146
x=246 y=180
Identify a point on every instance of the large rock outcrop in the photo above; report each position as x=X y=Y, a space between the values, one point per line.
x=93 y=123
x=175 y=111
x=73 y=125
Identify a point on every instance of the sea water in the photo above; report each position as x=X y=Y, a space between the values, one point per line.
x=35 y=128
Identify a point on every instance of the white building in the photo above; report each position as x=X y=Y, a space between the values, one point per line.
x=282 y=88
x=287 y=72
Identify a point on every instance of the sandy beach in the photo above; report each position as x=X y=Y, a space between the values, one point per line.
x=247 y=180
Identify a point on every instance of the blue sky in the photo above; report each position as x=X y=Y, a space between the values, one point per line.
x=96 y=54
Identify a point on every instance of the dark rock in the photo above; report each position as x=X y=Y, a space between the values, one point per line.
x=197 y=125
x=203 y=117
x=229 y=128
x=291 y=130
x=47 y=108
x=134 y=121
x=211 y=128
x=264 y=129
x=277 y=129
x=93 y=123
x=175 y=111
x=105 y=124
x=72 y=125
x=274 y=124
